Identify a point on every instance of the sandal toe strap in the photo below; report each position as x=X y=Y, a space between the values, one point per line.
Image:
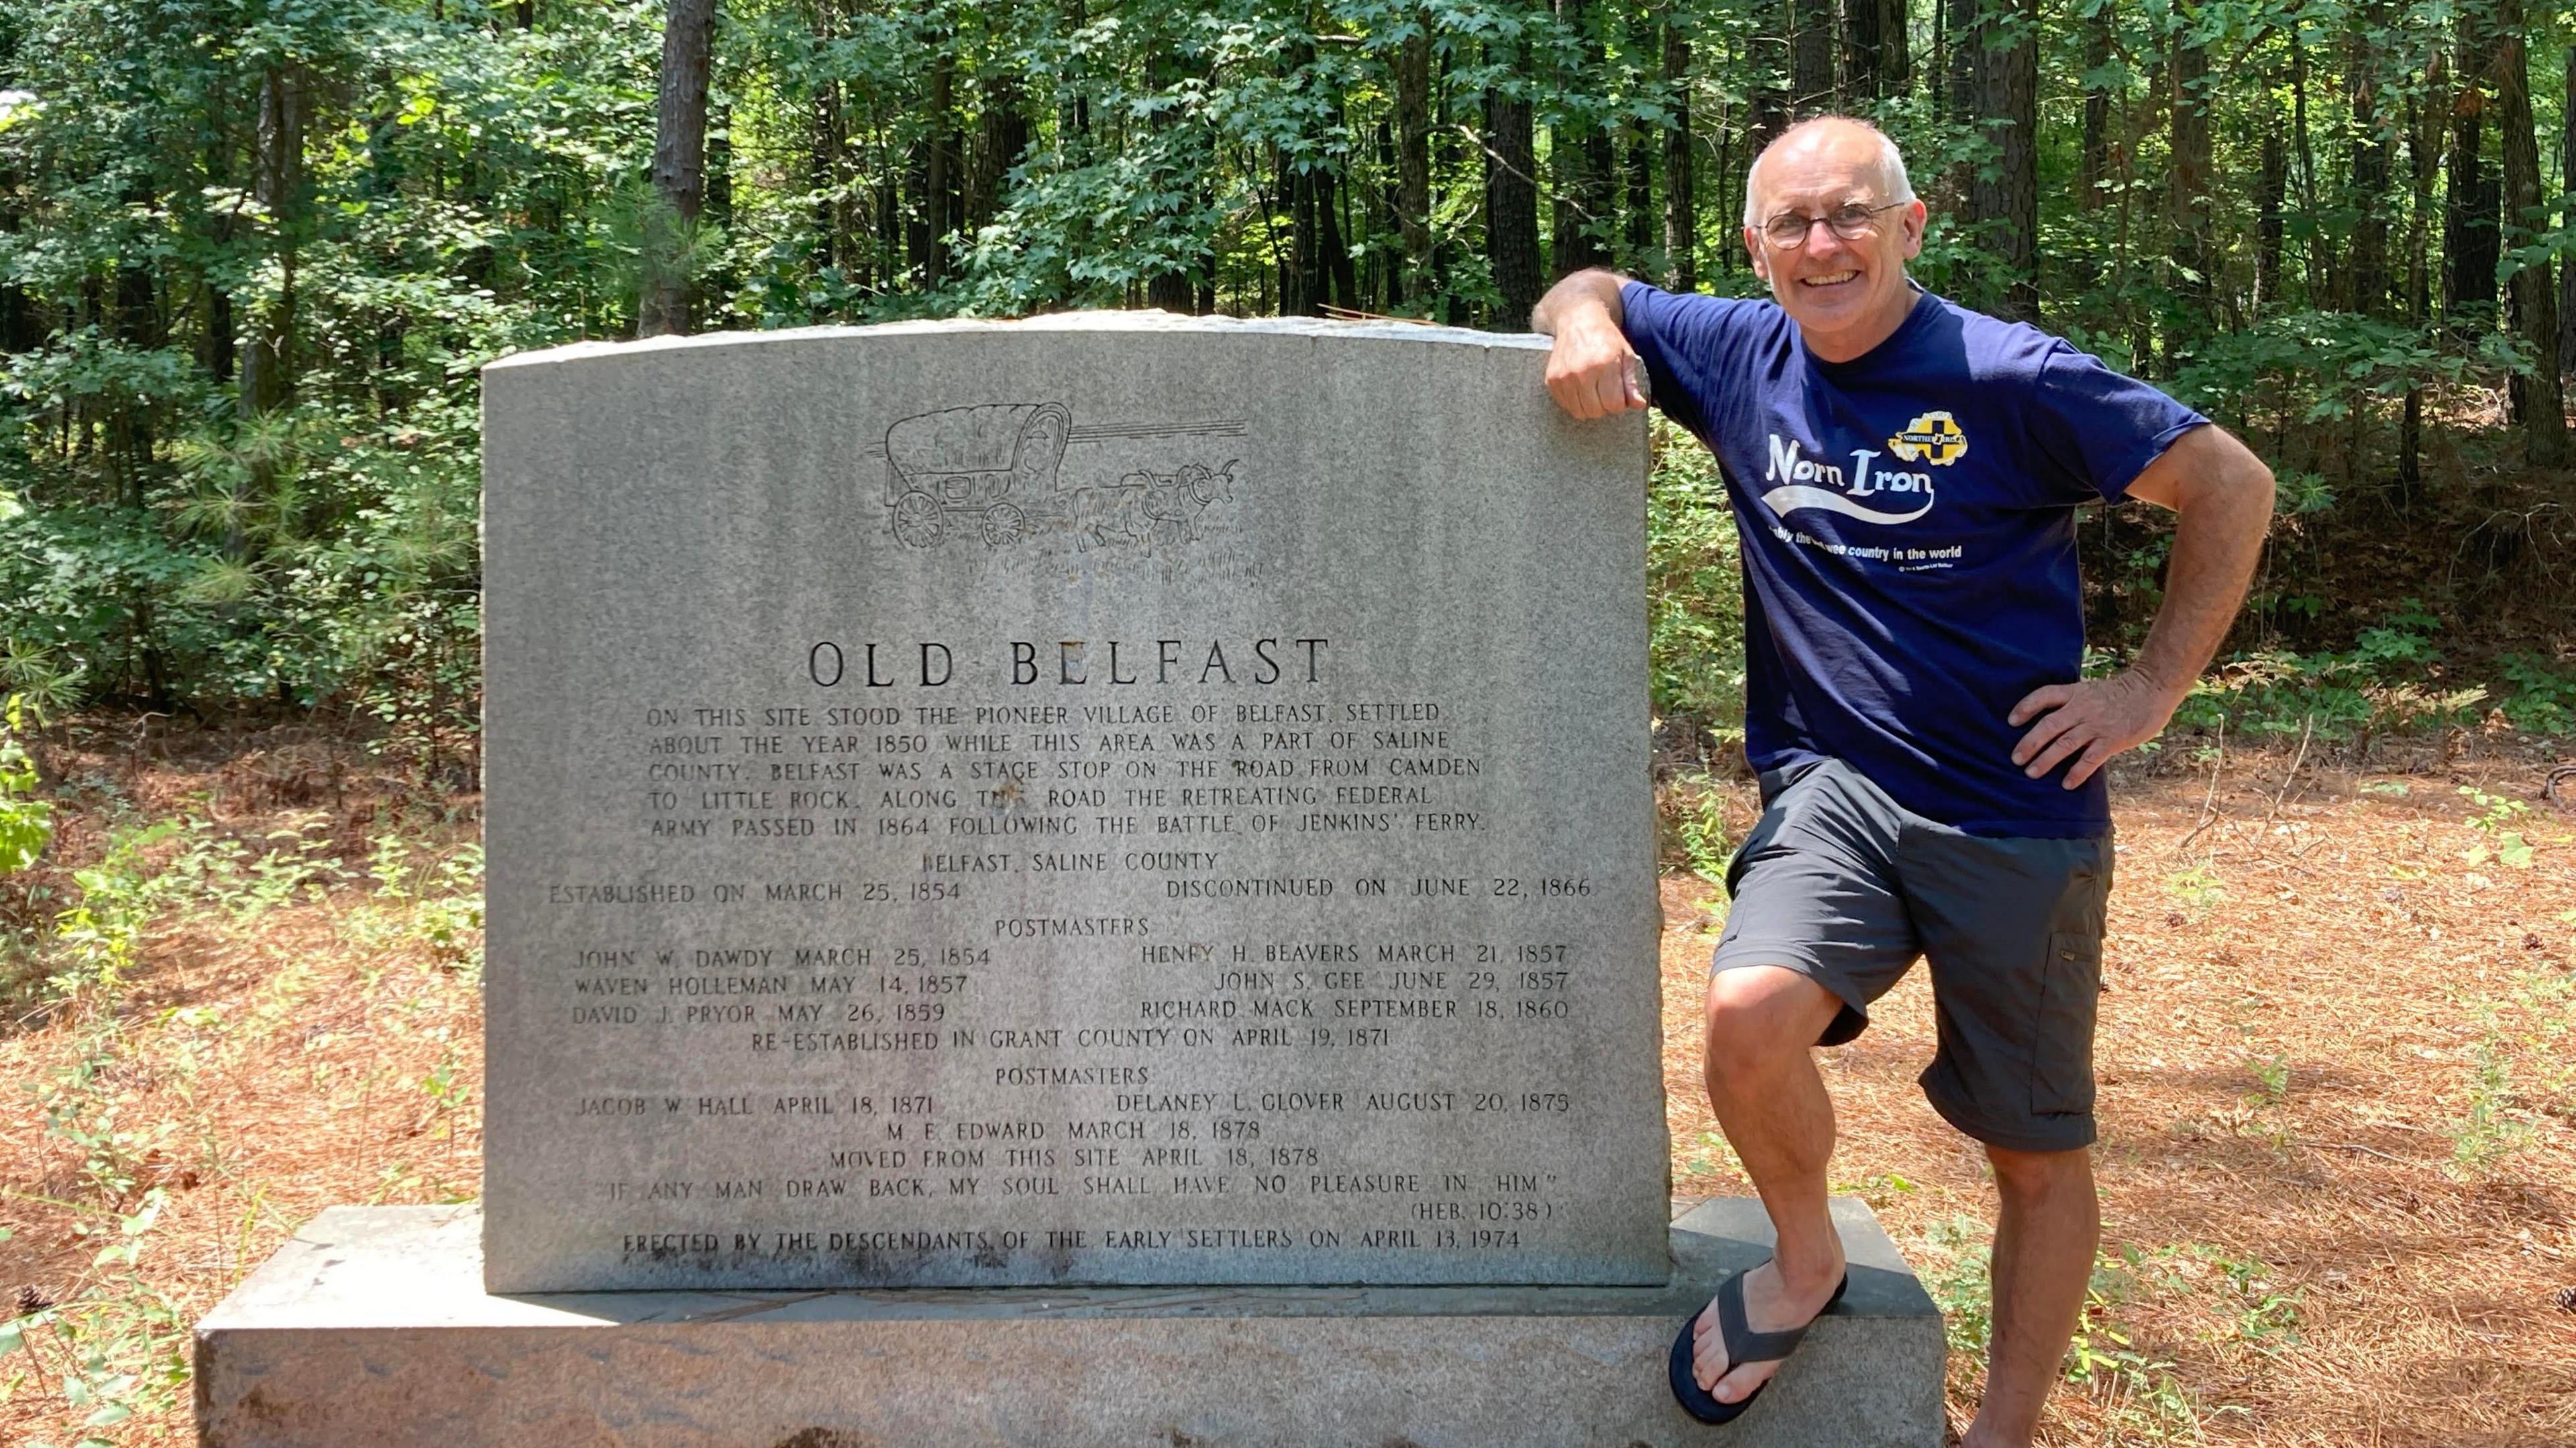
x=1743 y=1344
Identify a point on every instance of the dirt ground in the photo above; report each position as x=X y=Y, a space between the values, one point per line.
x=2338 y=1059
x=2338 y=1116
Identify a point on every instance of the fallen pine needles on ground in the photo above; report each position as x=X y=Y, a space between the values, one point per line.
x=2338 y=1063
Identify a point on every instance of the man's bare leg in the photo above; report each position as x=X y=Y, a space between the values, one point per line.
x=2044 y=1249
x=1762 y=1023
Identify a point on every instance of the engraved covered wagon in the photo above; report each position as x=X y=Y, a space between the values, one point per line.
x=963 y=465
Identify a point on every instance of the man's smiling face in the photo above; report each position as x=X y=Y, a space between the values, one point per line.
x=1846 y=294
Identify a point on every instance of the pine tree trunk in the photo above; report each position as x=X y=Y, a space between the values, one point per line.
x=1963 y=30
x=2370 y=178
x=2004 y=207
x=2095 y=159
x=2271 y=192
x=1811 y=80
x=2423 y=141
x=1771 y=84
x=2567 y=217
x=2193 y=255
x=679 y=164
x=1332 y=252
x=939 y=180
x=1642 y=148
x=1578 y=156
x=1170 y=291
x=2473 y=195
x=2324 y=284
x=1413 y=156
x=267 y=365
x=1511 y=208
x=1681 y=220
x=1873 y=51
x=1301 y=290
x=2543 y=410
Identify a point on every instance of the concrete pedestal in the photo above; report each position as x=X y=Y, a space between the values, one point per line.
x=372 y=1327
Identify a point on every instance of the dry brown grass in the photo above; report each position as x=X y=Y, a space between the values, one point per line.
x=281 y=1062
x=2351 y=954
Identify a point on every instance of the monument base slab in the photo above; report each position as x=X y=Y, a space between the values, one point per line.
x=372 y=1327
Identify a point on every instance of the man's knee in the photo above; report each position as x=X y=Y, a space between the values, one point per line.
x=2038 y=1178
x=1759 y=1014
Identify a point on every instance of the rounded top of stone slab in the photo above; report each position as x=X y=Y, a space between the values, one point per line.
x=1091 y=322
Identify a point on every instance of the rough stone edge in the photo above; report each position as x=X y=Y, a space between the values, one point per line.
x=1868 y=1379
x=1078 y=323
x=430 y=1265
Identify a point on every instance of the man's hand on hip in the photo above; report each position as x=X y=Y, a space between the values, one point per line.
x=2088 y=722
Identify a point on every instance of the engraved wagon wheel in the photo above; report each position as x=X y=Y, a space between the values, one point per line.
x=918 y=520
x=1003 y=522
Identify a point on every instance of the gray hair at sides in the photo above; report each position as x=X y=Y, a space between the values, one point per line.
x=1891 y=164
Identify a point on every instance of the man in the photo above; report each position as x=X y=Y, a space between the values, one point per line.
x=1905 y=474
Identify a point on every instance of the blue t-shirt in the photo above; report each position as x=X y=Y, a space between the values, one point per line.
x=1908 y=526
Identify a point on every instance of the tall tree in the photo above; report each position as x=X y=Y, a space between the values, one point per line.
x=2423 y=145
x=1579 y=150
x=1511 y=202
x=679 y=168
x=2194 y=250
x=2473 y=194
x=2094 y=156
x=939 y=176
x=1962 y=45
x=2567 y=218
x=267 y=367
x=2271 y=193
x=2368 y=269
x=1413 y=154
x=1811 y=40
x=1874 y=51
x=1771 y=85
x=2003 y=200
x=1681 y=221
x=2540 y=408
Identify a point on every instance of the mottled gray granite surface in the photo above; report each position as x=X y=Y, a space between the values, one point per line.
x=1104 y=799
x=372 y=1327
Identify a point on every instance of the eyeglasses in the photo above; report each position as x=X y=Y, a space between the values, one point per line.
x=1850 y=221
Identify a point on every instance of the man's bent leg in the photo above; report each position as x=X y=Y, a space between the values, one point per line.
x=2051 y=1228
x=1763 y=1021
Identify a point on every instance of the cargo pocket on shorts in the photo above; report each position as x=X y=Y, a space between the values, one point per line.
x=2061 y=1057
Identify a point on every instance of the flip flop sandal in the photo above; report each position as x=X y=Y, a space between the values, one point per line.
x=1743 y=1345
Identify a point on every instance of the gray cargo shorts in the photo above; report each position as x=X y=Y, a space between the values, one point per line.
x=1845 y=886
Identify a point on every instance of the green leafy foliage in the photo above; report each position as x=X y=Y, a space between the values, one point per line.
x=1694 y=592
x=468 y=181
x=26 y=821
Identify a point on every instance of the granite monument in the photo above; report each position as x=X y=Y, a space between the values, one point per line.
x=1081 y=881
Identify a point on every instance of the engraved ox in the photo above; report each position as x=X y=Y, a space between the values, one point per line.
x=1149 y=509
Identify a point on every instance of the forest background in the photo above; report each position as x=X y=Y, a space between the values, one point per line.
x=253 y=254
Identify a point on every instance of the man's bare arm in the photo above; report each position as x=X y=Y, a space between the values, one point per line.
x=2222 y=497
x=1591 y=372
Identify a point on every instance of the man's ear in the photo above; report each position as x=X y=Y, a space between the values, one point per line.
x=1753 y=249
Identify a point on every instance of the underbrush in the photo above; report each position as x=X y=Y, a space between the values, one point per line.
x=160 y=996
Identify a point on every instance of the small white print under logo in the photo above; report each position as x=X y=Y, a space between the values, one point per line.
x=1803 y=482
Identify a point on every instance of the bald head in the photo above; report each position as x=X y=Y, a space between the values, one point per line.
x=1840 y=139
